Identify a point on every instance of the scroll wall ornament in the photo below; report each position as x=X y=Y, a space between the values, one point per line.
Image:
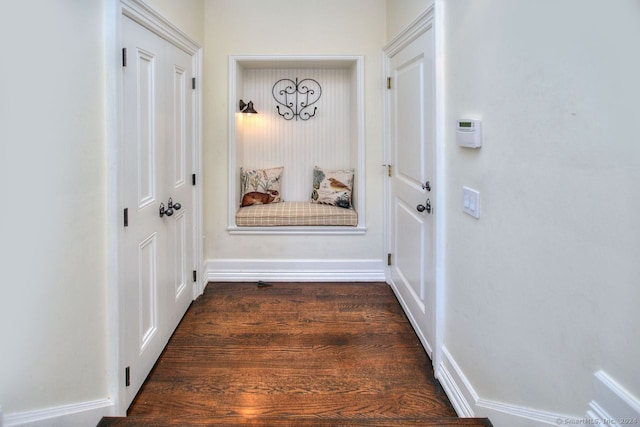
x=296 y=97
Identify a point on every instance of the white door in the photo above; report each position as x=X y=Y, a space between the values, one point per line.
x=412 y=187
x=158 y=144
x=179 y=167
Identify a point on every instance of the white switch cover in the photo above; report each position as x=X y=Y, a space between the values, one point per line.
x=471 y=202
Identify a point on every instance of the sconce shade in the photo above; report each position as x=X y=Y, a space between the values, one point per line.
x=247 y=108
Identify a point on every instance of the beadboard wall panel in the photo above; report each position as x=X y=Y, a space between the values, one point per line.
x=326 y=139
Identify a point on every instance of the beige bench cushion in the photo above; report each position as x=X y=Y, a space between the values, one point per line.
x=294 y=213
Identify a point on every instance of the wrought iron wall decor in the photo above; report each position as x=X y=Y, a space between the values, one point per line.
x=296 y=97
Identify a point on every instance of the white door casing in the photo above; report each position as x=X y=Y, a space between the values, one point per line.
x=158 y=143
x=413 y=185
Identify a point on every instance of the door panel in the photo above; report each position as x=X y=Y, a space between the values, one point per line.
x=409 y=113
x=181 y=252
x=412 y=155
x=147 y=292
x=410 y=252
x=146 y=127
x=178 y=127
x=157 y=152
x=144 y=237
x=180 y=144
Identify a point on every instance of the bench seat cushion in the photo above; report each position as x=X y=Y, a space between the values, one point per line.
x=294 y=213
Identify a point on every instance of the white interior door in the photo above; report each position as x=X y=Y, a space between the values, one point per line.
x=412 y=187
x=158 y=144
x=179 y=133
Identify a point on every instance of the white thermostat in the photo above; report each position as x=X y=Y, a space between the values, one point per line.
x=469 y=133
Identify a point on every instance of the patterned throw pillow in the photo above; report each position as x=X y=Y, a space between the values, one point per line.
x=332 y=187
x=260 y=186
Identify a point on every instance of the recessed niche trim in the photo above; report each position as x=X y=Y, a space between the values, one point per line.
x=239 y=65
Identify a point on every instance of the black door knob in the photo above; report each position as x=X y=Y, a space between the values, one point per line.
x=172 y=205
x=425 y=207
x=163 y=211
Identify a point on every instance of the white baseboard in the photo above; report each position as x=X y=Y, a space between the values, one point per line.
x=80 y=415
x=467 y=403
x=455 y=384
x=304 y=270
x=611 y=403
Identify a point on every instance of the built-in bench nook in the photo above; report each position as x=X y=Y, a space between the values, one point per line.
x=295 y=214
x=330 y=136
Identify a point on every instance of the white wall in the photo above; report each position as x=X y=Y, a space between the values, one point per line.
x=282 y=27
x=188 y=15
x=53 y=297
x=400 y=13
x=542 y=290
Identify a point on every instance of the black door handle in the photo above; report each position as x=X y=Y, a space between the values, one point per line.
x=425 y=207
x=170 y=207
x=163 y=211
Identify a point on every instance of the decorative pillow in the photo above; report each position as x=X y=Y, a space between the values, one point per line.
x=332 y=187
x=260 y=186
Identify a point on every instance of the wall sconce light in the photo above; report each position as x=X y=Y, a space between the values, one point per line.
x=247 y=108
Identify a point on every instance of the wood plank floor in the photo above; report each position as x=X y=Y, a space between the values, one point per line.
x=293 y=354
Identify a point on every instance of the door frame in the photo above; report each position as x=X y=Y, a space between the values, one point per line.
x=431 y=18
x=140 y=12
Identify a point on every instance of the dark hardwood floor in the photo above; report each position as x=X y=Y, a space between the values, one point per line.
x=293 y=354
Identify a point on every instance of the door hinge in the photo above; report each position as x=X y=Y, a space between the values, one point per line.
x=124 y=56
x=193 y=179
x=388 y=259
x=126 y=217
x=127 y=376
x=193 y=83
x=388 y=82
x=389 y=170
x=194 y=275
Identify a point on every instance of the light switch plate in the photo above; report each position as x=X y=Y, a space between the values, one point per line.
x=471 y=202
